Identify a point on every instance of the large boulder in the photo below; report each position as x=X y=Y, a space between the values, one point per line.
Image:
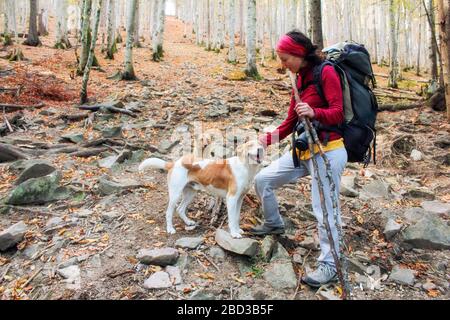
x=39 y=191
x=428 y=233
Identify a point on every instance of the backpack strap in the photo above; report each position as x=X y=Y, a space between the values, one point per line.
x=317 y=77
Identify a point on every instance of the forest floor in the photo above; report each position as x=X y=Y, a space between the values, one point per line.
x=85 y=246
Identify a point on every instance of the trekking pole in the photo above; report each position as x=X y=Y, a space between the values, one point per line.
x=313 y=138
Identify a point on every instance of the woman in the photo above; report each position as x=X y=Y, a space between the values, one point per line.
x=298 y=54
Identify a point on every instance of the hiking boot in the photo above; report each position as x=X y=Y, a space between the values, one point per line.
x=324 y=274
x=263 y=229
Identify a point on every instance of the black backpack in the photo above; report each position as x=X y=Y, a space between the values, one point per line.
x=352 y=63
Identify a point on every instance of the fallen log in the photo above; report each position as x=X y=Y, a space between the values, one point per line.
x=111 y=109
x=15 y=107
x=73 y=117
x=64 y=150
x=390 y=96
x=399 y=106
x=89 y=152
x=9 y=153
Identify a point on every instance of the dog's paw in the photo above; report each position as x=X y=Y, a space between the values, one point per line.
x=171 y=230
x=191 y=223
x=236 y=235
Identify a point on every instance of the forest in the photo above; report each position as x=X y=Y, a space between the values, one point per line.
x=91 y=88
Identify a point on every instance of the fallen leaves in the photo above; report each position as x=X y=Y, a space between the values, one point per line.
x=4 y=261
x=433 y=293
x=206 y=275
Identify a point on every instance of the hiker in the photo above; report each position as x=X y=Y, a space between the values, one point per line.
x=299 y=55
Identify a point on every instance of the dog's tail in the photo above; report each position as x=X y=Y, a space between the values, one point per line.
x=155 y=163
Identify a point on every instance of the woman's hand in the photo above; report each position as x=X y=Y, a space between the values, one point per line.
x=304 y=110
x=262 y=139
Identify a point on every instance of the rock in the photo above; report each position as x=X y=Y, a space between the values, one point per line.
x=436 y=207
x=161 y=257
x=419 y=193
x=48 y=112
x=84 y=213
x=107 y=186
x=402 y=276
x=281 y=275
x=428 y=286
x=376 y=189
x=202 y=294
x=327 y=295
x=174 y=275
x=253 y=293
x=110 y=216
x=72 y=276
x=70 y=262
x=189 y=243
x=107 y=162
x=158 y=280
x=35 y=170
x=217 y=111
x=391 y=229
x=31 y=250
x=412 y=215
x=166 y=146
x=12 y=235
x=112 y=132
x=280 y=253
x=267 y=247
x=428 y=233
x=245 y=266
x=416 y=155
x=217 y=253
x=54 y=222
x=310 y=243
x=183 y=262
x=355 y=266
x=347 y=187
x=39 y=191
x=72 y=137
x=244 y=246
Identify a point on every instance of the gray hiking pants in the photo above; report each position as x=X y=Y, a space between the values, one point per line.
x=282 y=171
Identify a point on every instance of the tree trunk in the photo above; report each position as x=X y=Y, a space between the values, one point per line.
x=33 y=37
x=111 y=46
x=128 y=73
x=315 y=14
x=444 y=37
x=42 y=30
x=158 y=30
x=208 y=25
x=393 y=73
x=433 y=43
x=87 y=69
x=62 y=41
x=419 y=42
x=85 y=36
x=136 y=42
x=231 y=31
x=251 y=70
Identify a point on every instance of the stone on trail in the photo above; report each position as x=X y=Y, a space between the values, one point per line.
x=243 y=246
x=160 y=256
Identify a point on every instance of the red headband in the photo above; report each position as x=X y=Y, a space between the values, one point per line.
x=287 y=45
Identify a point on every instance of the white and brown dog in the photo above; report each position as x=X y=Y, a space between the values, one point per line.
x=230 y=178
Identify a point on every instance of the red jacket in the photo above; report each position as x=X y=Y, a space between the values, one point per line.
x=329 y=112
